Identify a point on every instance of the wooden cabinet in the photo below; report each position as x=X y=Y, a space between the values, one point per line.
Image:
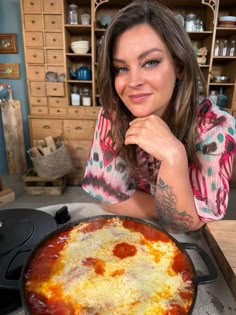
x=47 y=43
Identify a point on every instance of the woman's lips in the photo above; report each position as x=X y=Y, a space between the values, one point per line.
x=138 y=98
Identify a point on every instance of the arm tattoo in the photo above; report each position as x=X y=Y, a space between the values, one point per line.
x=170 y=218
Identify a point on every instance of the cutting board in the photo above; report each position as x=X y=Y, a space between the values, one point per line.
x=221 y=237
x=13 y=136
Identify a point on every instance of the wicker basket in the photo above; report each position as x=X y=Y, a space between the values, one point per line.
x=54 y=165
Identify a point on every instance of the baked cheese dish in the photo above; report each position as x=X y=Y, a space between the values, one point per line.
x=109 y=266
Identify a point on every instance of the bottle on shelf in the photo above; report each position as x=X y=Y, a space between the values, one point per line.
x=217 y=48
x=232 y=48
x=225 y=48
x=222 y=99
x=213 y=96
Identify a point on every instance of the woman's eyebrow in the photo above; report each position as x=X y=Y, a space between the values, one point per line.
x=141 y=56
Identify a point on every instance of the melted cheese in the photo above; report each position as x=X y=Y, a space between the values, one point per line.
x=95 y=281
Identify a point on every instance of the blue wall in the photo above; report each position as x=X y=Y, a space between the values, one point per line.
x=10 y=22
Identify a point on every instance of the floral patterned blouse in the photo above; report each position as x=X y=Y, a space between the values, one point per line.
x=107 y=176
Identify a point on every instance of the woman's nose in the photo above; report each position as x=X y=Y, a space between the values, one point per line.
x=135 y=78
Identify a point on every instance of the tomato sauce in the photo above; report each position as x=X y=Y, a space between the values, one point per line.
x=124 y=250
x=149 y=232
x=40 y=267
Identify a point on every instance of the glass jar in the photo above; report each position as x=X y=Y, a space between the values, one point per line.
x=86 y=98
x=190 y=22
x=72 y=14
x=222 y=99
x=75 y=96
x=225 y=47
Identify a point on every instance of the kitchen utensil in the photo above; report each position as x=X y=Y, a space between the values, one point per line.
x=221 y=78
x=152 y=230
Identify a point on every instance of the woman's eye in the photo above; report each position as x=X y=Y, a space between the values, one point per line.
x=151 y=63
x=120 y=70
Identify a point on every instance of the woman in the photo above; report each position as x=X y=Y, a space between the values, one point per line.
x=157 y=152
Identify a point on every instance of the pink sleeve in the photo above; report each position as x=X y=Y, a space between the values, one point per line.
x=106 y=176
x=215 y=150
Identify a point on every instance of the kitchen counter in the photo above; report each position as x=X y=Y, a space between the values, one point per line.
x=221 y=237
x=212 y=299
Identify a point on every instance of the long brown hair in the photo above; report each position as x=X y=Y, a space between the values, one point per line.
x=180 y=114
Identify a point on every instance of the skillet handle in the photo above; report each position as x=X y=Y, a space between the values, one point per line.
x=10 y=283
x=212 y=273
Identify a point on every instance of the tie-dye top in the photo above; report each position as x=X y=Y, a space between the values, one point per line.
x=107 y=176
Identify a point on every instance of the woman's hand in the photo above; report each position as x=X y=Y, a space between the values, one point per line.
x=153 y=135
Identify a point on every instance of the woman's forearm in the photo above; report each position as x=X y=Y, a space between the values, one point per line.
x=174 y=199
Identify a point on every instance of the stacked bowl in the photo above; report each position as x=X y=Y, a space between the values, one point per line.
x=80 y=46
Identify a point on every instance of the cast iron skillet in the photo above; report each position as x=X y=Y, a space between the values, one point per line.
x=197 y=279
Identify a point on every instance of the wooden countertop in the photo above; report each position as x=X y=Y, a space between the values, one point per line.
x=221 y=238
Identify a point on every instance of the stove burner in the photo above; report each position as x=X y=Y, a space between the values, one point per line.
x=20 y=228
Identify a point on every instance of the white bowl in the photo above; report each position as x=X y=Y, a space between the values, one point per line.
x=81 y=42
x=80 y=45
x=80 y=50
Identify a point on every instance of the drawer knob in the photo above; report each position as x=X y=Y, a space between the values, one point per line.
x=33 y=21
x=31 y=3
x=54 y=40
x=54 y=89
x=79 y=149
x=55 y=57
x=57 y=102
x=58 y=111
x=38 y=88
x=33 y=38
x=52 y=4
x=46 y=127
x=34 y=55
x=40 y=110
x=38 y=101
x=53 y=22
x=36 y=72
x=78 y=128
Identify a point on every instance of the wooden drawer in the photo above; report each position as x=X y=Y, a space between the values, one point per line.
x=37 y=88
x=33 y=22
x=36 y=73
x=54 y=56
x=55 y=89
x=57 y=101
x=52 y=6
x=58 y=111
x=31 y=6
x=79 y=149
x=38 y=101
x=41 y=127
x=84 y=112
x=39 y=110
x=35 y=56
x=53 y=40
x=55 y=68
x=34 y=39
x=80 y=129
x=52 y=22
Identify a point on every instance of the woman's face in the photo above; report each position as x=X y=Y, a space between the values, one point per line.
x=145 y=72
